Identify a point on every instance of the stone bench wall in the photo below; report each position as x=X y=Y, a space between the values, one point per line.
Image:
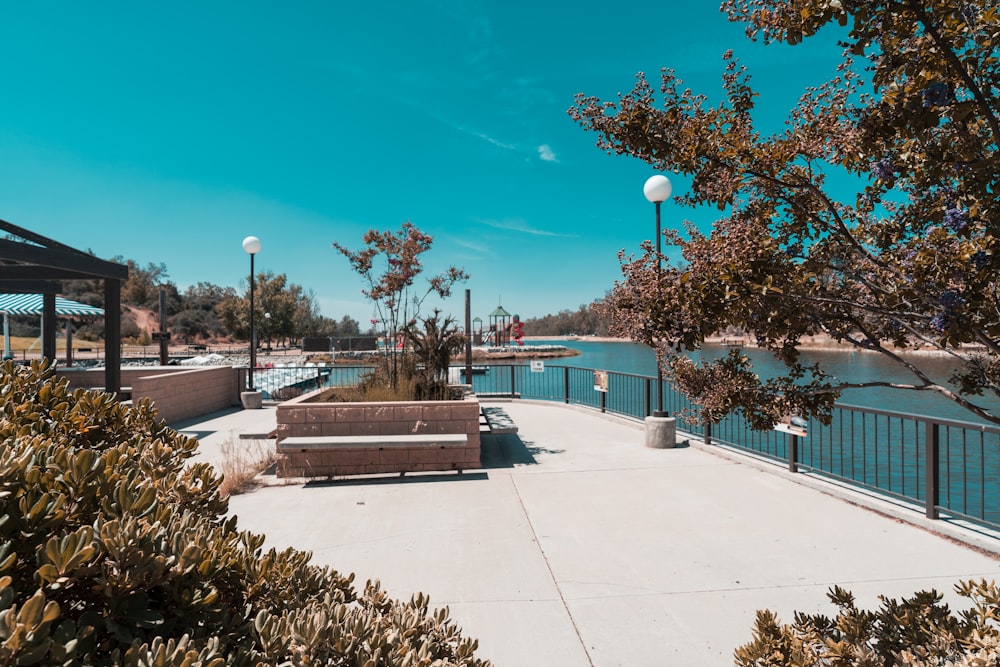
x=299 y=417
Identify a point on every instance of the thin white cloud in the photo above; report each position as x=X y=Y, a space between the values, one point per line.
x=519 y=225
x=474 y=247
x=487 y=138
x=546 y=154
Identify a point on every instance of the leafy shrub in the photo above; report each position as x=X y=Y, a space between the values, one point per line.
x=116 y=549
x=918 y=631
x=432 y=348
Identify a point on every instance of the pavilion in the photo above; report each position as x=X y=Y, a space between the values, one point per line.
x=33 y=264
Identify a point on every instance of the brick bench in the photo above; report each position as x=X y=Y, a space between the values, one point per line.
x=342 y=455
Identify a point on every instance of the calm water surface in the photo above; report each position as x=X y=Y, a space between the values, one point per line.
x=854 y=366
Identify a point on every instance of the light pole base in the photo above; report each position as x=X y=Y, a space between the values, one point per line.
x=661 y=432
x=252 y=400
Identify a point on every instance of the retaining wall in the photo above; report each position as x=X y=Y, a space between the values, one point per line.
x=300 y=417
x=177 y=392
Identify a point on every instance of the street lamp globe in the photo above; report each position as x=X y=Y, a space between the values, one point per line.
x=657 y=189
x=251 y=245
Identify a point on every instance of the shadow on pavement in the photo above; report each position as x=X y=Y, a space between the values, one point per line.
x=508 y=450
x=409 y=478
x=184 y=426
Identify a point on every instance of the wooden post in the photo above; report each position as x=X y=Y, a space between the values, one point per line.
x=164 y=342
x=112 y=335
x=69 y=343
x=468 y=337
x=49 y=326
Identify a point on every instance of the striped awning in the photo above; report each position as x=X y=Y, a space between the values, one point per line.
x=31 y=304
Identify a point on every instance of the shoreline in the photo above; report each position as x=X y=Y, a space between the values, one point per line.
x=809 y=343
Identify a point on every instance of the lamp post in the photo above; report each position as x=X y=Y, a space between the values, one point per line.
x=657 y=190
x=251 y=245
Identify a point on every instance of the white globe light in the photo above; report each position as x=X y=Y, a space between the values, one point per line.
x=251 y=244
x=657 y=188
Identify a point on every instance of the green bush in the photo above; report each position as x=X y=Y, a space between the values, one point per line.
x=919 y=631
x=116 y=550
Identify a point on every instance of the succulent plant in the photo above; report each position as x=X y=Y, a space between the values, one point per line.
x=116 y=549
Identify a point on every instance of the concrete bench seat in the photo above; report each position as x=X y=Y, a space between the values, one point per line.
x=345 y=455
x=498 y=421
x=313 y=442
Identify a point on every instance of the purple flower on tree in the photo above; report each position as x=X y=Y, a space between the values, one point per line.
x=956 y=219
x=942 y=322
x=980 y=260
x=951 y=299
x=884 y=170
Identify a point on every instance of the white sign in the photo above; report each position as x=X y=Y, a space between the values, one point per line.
x=793 y=425
x=537 y=366
x=601 y=381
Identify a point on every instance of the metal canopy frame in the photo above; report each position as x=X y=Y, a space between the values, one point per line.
x=32 y=263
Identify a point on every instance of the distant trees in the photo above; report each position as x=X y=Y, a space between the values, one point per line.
x=586 y=320
x=143 y=286
x=282 y=311
x=198 y=318
x=206 y=311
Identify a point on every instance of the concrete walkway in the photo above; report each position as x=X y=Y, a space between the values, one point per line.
x=578 y=546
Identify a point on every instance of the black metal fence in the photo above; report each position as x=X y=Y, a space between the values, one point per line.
x=879 y=450
x=944 y=466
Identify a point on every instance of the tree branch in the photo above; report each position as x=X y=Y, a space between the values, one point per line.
x=956 y=64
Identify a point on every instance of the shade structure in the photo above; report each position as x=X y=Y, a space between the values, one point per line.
x=34 y=264
x=34 y=304
x=31 y=304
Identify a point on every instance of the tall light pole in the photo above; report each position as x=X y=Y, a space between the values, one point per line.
x=657 y=190
x=251 y=245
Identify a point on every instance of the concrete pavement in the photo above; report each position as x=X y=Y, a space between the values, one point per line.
x=577 y=546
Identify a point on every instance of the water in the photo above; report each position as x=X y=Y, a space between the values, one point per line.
x=857 y=366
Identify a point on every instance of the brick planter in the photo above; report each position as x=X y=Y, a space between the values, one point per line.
x=341 y=424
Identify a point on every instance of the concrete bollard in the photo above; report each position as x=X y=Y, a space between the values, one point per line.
x=661 y=432
x=252 y=400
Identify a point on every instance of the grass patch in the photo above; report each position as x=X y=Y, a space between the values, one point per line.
x=29 y=343
x=371 y=394
x=243 y=459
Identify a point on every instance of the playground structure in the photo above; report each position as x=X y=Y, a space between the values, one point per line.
x=504 y=329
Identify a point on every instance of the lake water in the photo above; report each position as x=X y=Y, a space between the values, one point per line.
x=845 y=365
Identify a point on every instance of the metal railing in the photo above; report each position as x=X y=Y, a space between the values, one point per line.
x=879 y=450
x=943 y=466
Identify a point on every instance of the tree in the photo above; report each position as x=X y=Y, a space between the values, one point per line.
x=143 y=285
x=309 y=321
x=348 y=326
x=275 y=305
x=389 y=264
x=197 y=317
x=906 y=258
x=587 y=319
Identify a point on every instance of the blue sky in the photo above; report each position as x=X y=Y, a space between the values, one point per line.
x=167 y=132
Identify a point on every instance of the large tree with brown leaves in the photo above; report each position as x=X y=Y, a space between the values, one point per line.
x=909 y=256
